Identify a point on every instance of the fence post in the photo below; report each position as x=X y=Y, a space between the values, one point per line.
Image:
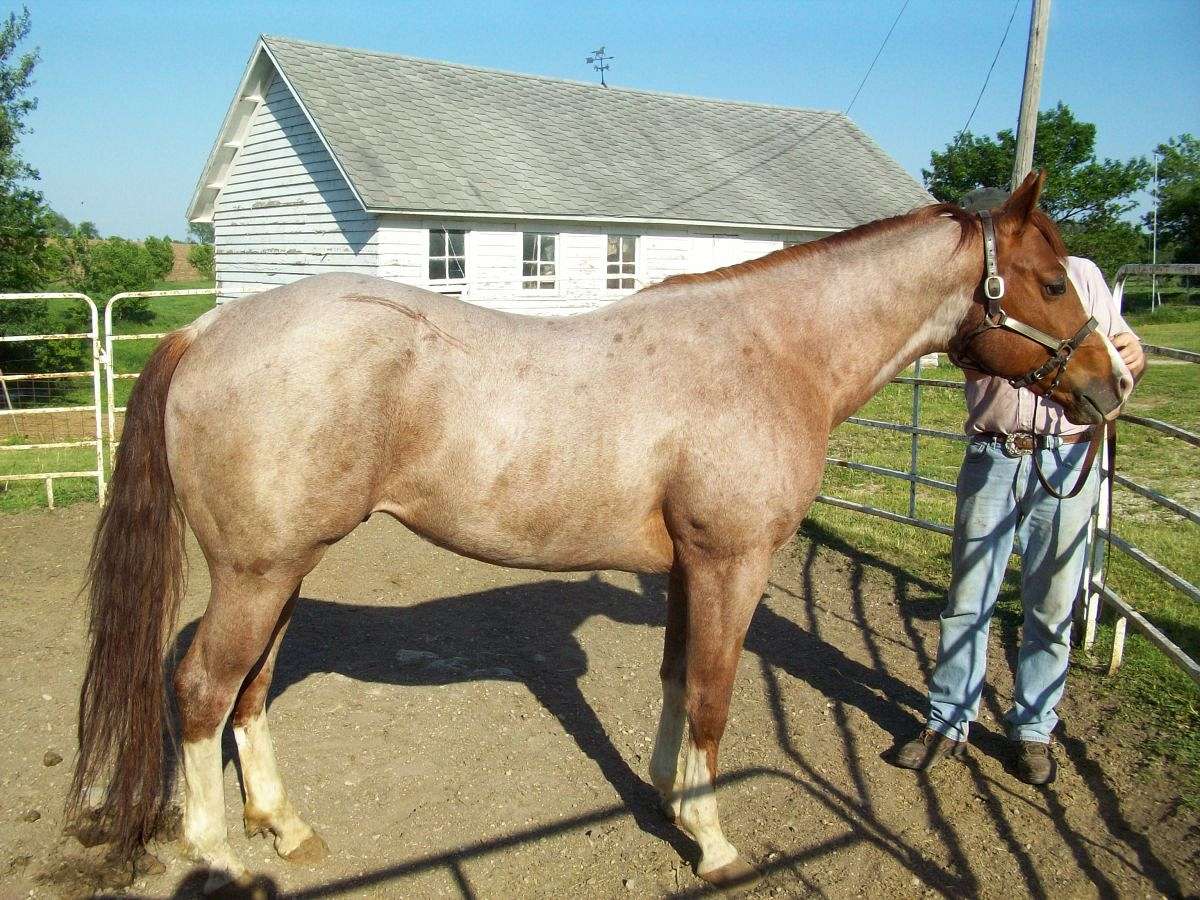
x=914 y=452
x=1094 y=569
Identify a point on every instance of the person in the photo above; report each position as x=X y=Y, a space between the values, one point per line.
x=1000 y=499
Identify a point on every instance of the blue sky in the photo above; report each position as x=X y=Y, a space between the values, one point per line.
x=131 y=94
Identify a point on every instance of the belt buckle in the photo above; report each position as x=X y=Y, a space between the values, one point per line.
x=1019 y=444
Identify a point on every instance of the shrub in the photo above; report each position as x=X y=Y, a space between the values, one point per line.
x=162 y=253
x=202 y=259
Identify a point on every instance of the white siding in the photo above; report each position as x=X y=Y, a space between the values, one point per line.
x=494 y=253
x=285 y=211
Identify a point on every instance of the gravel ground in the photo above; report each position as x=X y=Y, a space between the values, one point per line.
x=454 y=729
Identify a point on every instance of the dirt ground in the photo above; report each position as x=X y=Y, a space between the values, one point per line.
x=454 y=729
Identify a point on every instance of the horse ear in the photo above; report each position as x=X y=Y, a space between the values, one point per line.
x=1019 y=207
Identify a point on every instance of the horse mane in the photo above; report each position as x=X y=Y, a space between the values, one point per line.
x=967 y=224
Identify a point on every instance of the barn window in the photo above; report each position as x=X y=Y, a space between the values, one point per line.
x=447 y=254
x=622 y=261
x=537 y=261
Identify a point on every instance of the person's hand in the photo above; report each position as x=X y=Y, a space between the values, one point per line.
x=1131 y=352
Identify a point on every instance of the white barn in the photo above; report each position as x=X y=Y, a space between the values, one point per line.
x=512 y=191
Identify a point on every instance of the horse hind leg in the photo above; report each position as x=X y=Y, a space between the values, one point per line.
x=233 y=635
x=267 y=807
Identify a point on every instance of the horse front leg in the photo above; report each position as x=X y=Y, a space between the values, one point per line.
x=666 y=763
x=722 y=594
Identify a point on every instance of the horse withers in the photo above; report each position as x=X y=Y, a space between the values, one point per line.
x=681 y=430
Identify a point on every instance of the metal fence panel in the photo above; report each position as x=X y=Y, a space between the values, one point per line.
x=1094 y=592
x=58 y=433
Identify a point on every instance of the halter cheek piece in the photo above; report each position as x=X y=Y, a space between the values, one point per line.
x=995 y=317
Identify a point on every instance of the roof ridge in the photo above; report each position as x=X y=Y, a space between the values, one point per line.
x=267 y=38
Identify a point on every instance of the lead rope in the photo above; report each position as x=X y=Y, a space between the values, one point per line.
x=1098 y=438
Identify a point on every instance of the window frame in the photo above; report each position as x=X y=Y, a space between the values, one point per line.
x=536 y=283
x=621 y=275
x=458 y=285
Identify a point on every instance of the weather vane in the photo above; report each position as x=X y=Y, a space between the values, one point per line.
x=599 y=62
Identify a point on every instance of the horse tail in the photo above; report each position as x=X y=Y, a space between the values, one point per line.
x=135 y=581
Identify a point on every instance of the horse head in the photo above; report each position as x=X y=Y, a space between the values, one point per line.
x=1031 y=326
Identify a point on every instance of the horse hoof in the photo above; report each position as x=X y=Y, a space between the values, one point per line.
x=312 y=849
x=737 y=874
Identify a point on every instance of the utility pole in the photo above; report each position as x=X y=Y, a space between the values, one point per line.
x=1039 y=25
x=1154 y=252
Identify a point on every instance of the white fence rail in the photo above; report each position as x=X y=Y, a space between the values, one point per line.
x=11 y=412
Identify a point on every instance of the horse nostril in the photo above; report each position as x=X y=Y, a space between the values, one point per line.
x=1125 y=386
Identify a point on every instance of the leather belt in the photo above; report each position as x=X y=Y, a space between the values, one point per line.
x=1026 y=442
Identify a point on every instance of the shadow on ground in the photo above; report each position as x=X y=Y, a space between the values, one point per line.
x=526 y=634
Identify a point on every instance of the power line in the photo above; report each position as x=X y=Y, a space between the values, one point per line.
x=988 y=77
x=878 y=53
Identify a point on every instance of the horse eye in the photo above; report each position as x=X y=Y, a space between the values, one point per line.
x=1057 y=288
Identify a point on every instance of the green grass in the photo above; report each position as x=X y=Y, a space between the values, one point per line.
x=169 y=313
x=1148 y=681
x=1169 y=326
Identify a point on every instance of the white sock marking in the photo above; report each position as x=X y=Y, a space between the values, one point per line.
x=698 y=815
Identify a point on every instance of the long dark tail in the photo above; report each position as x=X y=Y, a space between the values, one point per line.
x=135 y=580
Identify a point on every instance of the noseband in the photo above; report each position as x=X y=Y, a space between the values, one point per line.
x=995 y=317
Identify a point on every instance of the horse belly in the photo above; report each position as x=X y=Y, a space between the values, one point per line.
x=550 y=534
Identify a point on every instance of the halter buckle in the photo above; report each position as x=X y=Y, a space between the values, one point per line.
x=993 y=287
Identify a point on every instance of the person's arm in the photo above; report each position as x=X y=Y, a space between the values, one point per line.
x=1119 y=332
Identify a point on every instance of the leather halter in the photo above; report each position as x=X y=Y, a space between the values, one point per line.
x=1060 y=352
x=995 y=317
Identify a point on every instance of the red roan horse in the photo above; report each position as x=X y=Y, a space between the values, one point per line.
x=681 y=430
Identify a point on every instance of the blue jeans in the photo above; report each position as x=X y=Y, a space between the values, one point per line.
x=1001 y=500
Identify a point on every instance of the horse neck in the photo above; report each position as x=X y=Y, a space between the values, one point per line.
x=867 y=308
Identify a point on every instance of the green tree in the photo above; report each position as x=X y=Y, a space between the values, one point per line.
x=101 y=268
x=201 y=258
x=1087 y=197
x=1179 y=198
x=25 y=220
x=59 y=224
x=200 y=232
x=26 y=223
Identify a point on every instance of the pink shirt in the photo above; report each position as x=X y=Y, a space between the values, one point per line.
x=995 y=405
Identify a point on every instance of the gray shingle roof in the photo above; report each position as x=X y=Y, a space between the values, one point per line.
x=412 y=135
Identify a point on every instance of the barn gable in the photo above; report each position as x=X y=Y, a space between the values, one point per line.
x=332 y=159
x=285 y=210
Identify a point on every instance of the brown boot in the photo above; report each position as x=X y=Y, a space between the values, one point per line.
x=928 y=749
x=1035 y=763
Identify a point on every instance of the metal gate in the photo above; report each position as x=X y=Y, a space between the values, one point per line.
x=55 y=426
x=111 y=375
